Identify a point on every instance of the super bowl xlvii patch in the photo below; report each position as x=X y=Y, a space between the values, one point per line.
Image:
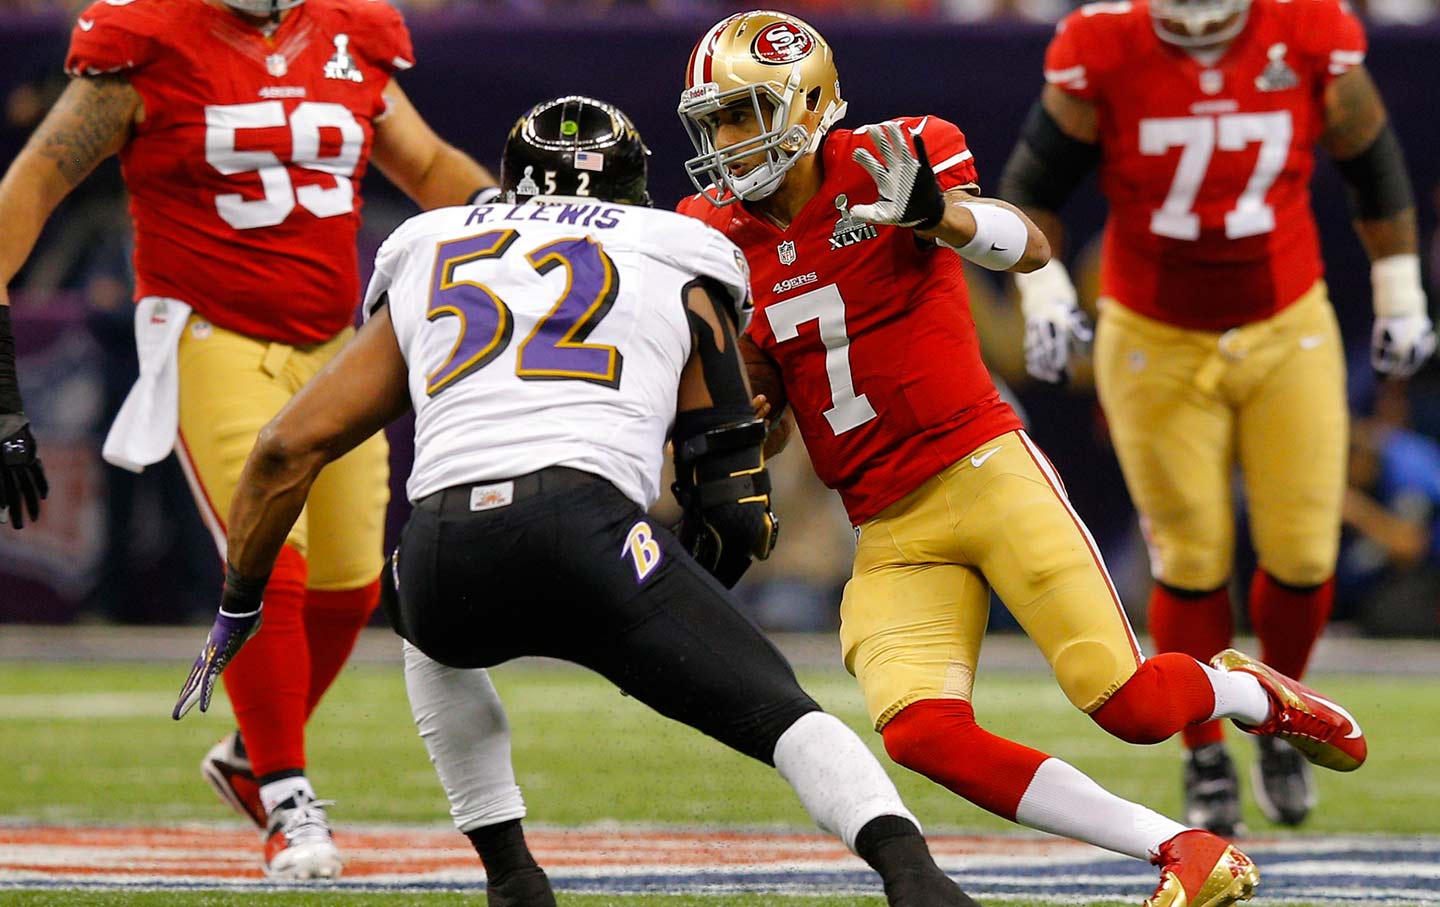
x=849 y=229
x=1278 y=75
x=786 y=251
x=342 y=66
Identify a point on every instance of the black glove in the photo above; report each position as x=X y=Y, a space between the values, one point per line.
x=717 y=536
x=724 y=489
x=22 y=478
x=909 y=194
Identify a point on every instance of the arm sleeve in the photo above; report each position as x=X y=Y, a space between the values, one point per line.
x=950 y=157
x=108 y=39
x=393 y=51
x=707 y=253
x=1067 y=64
x=1332 y=38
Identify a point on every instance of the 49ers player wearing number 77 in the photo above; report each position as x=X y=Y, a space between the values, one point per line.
x=863 y=328
x=1217 y=345
x=243 y=131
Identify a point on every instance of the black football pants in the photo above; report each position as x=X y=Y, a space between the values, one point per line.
x=553 y=573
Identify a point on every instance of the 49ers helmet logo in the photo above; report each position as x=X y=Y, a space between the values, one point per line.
x=782 y=43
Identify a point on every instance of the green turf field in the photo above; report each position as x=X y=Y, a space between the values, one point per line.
x=88 y=743
x=95 y=743
x=349 y=899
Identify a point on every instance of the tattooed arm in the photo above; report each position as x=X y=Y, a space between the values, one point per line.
x=90 y=122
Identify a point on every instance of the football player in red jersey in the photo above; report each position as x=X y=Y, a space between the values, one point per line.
x=862 y=327
x=243 y=130
x=1217 y=346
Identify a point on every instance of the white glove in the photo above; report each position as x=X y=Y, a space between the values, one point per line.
x=1403 y=337
x=909 y=195
x=1055 y=327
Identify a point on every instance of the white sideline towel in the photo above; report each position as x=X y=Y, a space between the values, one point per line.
x=144 y=431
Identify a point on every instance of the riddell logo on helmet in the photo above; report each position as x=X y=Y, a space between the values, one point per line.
x=782 y=43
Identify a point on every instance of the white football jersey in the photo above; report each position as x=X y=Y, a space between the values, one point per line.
x=549 y=333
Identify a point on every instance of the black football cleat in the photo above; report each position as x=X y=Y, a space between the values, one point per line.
x=1283 y=782
x=528 y=887
x=1212 y=791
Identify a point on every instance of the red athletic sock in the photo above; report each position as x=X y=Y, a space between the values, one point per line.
x=1288 y=621
x=939 y=739
x=267 y=682
x=1198 y=625
x=1169 y=692
x=333 y=621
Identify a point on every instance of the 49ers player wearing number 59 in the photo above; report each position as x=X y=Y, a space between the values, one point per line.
x=862 y=327
x=1217 y=345
x=243 y=129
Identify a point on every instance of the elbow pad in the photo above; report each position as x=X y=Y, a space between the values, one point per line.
x=1047 y=165
x=1376 y=183
x=722 y=484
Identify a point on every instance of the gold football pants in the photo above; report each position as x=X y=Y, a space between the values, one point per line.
x=915 y=609
x=1186 y=406
x=231 y=385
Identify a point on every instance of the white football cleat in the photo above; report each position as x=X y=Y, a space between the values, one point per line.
x=299 y=846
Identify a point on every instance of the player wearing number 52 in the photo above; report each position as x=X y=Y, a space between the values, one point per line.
x=1216 y=344
x=243 y=129
x=862 y=327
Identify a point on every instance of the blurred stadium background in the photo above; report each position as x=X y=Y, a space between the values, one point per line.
x=115 y=549
x=128 y=549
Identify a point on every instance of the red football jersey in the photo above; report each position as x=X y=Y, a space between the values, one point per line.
x=871 y=328
x=1207 y=167
x=244 y=174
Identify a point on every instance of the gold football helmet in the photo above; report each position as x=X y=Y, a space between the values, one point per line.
x=785 y=71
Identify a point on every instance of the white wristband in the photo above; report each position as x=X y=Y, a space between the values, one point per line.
x=1395 y=286
x=1044 y=287
x=1000 y=237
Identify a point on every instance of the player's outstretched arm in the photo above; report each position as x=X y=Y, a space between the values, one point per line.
x=427 y=168
x=356 y=394
x=1359 y=137
x=90 y=121
x=989 y=232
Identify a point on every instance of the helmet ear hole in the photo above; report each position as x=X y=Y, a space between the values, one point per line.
x=812 y=99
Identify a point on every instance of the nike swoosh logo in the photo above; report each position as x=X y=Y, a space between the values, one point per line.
x=1309 y=343
x=919 y=127
x=995 y=248
x=85 y=24
x=979 y=459
x=1354 y=725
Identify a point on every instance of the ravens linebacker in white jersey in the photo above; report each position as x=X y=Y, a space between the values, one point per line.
x=549 y=344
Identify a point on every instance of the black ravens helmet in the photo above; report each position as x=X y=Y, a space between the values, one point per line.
x=575 y=146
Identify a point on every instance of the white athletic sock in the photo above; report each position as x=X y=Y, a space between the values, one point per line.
x=836 y=777
x=1238 y=695
x=277 y=792
x=463 y=724
x=1064 y=801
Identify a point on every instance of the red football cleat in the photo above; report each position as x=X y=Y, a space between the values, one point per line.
x=1198 y=869
x=1322 y=730
x=230 y=775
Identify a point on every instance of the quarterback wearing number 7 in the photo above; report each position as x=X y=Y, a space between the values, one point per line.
x=856 y=241
x=243 y=129
x=1217 y=346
